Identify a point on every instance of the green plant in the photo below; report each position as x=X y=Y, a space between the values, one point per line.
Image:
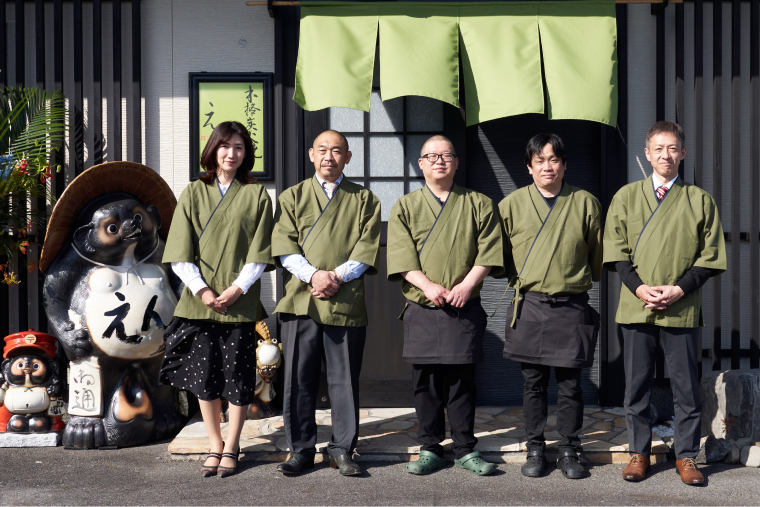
x=32 y=128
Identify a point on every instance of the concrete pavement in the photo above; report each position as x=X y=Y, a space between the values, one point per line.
x=147 y=476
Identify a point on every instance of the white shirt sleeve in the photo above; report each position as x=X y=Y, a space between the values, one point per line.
x=190 y=276
x=298 y=266
x=350 y=270
x=248 y=276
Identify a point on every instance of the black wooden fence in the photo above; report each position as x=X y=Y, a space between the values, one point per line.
x=21 y=305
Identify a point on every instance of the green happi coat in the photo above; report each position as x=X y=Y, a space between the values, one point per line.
x=349 y=229
x=466 y=234
x=567 y=256
x=238 y=232
x=684 y=231
x=550 y=322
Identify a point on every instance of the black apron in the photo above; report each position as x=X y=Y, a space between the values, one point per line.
x=445 y=335
x=553 y=331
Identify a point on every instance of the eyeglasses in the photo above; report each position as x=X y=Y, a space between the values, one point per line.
x=433 y=157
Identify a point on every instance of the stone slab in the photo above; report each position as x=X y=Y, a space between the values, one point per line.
x=397 y=425
x=390 y=413
x=51 y=439
x=389 y=434
x=750 y=456
x=731 y=404
x=489 y=410
x=496 y=444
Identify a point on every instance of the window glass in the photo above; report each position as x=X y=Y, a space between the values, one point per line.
x=386 y=156
x=413 y=146
x=395 y=130
x=355 y=168
x=346 y=120
x=386 y=116
x=416 y=185
x=388 y=192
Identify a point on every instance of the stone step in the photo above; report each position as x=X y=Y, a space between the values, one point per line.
x=389 y=434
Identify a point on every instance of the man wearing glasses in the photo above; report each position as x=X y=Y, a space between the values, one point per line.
x=443 y=240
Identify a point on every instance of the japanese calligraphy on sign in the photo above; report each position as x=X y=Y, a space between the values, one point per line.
x=241 y=102
x=246 y=97
x=85 y=389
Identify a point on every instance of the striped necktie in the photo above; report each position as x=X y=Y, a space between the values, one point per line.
x=661 y=191
x=329 y=188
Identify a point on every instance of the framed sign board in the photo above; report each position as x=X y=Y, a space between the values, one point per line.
x=245 y=97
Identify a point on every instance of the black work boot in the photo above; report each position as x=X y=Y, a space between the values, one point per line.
x=570 y=465
x=535 y=464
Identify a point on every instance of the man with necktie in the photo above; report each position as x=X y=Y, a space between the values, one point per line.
x=664 y=238
x=327 y=237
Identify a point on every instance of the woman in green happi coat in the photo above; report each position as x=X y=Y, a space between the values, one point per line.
x=219 y=245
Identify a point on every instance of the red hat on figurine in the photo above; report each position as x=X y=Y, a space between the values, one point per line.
x=17 y=343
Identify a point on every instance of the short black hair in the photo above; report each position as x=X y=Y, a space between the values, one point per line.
x=537 y=143
x=666 y=127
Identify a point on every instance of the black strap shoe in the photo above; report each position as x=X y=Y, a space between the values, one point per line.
x=570 y=465
x=296 y=463
x=535 y=464
x=345 y=465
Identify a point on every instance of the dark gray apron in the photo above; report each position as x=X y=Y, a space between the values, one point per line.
x=444 y=335
x=553 y=331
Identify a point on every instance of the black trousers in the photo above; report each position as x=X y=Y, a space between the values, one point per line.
x=449 y=386
x=569 y=405
x=680 y=344
x=305 y=344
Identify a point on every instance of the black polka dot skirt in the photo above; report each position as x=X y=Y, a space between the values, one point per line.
x=211 y=360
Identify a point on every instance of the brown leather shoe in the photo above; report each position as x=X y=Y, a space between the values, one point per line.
x=690 y=474
x=637 y=468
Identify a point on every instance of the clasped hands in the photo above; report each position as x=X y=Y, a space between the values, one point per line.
x=659 y=297
x=324 y=284
x=220 y=303
x=439 y=295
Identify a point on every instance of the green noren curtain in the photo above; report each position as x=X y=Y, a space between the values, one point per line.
x=336 y=56
x=501 y=56
x=502 y=47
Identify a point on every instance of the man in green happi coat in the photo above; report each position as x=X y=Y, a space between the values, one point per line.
x=664 y=238
x=443 y=240
x=327 y=237
x=553 y=249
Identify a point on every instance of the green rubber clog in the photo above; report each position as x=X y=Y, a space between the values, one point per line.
x=427 y=463
x=475 y=464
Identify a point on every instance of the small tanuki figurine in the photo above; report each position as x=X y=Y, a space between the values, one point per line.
x=268 y=359
x=109 y=297
x=29 y=384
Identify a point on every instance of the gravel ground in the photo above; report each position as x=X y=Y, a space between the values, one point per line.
x=146 y=476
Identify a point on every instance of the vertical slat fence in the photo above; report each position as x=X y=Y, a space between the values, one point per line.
x=717 y=141
x=21 y=304
x=736 y=183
